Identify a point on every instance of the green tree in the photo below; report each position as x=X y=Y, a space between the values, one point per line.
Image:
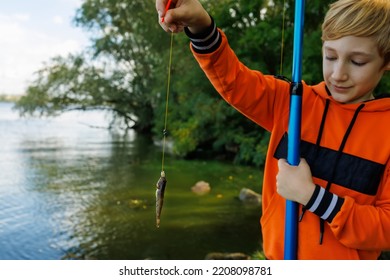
x=117 y=73
x=125 y=71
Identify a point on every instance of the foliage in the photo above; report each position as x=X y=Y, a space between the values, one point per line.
x=124 y=52
x=70 y=84
x=258 y=255
x=125 y=71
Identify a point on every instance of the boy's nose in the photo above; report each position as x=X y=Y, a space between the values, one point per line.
x=340 y=72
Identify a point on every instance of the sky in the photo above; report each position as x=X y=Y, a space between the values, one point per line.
x=32 y=32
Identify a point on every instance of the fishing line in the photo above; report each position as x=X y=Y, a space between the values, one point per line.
x=166 y=102
x=282 y=41
x=282 y=53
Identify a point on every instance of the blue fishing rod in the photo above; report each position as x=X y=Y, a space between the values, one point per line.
x=294 y=130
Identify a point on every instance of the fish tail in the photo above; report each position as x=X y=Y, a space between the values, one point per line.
x=158 y=222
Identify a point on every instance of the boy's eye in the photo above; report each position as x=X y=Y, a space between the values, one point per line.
x=330 y=58
x=358 y=63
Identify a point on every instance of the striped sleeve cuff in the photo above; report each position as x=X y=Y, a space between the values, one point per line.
x=324 y=204
x=206 y=42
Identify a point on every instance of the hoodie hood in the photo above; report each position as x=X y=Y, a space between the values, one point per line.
x=379 y=104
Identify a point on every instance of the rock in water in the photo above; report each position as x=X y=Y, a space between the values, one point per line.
x=250 y=196
x=201 y=188
x=227 y=256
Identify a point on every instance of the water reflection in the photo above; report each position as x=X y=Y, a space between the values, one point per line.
x=69 y=191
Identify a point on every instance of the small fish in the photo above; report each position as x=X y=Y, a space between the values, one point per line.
x=161 y=183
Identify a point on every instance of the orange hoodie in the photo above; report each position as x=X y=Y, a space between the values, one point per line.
x=346 y=145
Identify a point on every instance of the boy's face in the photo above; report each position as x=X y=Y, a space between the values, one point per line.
x=352 y=68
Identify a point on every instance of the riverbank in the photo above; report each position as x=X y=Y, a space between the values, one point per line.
x=9 y=98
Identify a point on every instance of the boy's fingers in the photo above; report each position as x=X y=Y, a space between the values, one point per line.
x=160 y=7
x=282 y=162
x=163 y=25
x=303 y=161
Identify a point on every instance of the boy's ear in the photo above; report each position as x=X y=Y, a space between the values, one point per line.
x=387 y=66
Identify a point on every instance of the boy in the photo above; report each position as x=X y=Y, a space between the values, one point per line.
x=342 y=183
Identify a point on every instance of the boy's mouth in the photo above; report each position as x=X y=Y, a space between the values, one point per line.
x=340 y=89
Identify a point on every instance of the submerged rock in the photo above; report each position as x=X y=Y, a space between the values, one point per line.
x=227 y=256
x=250 y=196
x=201 y=188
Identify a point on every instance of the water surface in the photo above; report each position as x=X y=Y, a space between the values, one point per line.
x=72 y=191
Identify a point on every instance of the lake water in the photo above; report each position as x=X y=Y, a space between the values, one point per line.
x=69 y=190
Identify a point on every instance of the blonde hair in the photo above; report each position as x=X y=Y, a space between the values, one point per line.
x=361 y=18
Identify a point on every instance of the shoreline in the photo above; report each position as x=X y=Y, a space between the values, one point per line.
x=9 y=98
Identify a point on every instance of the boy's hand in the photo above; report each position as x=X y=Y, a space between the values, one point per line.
x=295 y=183
x=183 y=13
